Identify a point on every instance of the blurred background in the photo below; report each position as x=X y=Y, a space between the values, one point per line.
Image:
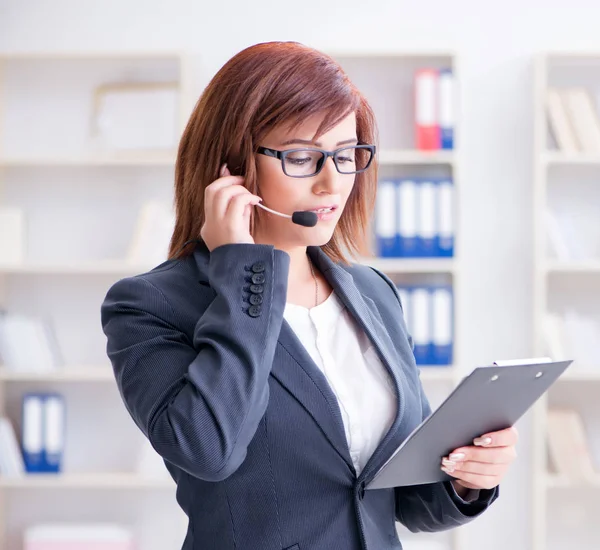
x=488 y=220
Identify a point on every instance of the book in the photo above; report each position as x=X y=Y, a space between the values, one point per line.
x=154 y=227
x=28 y=343
x=568 y=445
x=11 y=459
x=583 y=117
x=559 y=122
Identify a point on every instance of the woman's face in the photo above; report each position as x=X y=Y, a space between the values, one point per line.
x=327 y=189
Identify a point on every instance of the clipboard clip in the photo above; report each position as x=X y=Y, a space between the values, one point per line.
x=528 y=361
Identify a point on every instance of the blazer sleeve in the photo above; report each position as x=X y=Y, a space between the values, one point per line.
x=436 y=506
x=199 y=401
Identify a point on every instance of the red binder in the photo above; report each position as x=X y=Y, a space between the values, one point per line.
x=427 y=128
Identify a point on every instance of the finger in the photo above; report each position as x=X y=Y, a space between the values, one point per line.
x=502 y=438
x=492 y=455
x=224 y=196
x=225 y=171
x=479 y=481
x=238 y=205
x=213 y=189
x=480 y=468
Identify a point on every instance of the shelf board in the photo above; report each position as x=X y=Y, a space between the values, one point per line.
x=572 y=266
x=108 y=267
x=85 y=481
x=558 y=158
x=413 y=156
x=63 y=374
x=47 y=55
x=555 y=481
x=412 y=265
x=141 y=159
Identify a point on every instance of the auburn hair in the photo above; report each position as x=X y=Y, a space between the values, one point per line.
x=262 y=87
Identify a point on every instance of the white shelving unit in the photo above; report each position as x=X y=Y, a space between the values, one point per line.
x=53 y=171
x=387 y=79
x=66 y=273
x=559 y=518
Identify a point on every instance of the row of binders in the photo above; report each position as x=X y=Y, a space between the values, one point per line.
x=414 y=218
x=429 y=317
x=434 y=109
x=42 y=437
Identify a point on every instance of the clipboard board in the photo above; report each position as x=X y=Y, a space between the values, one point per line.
x=489 y=399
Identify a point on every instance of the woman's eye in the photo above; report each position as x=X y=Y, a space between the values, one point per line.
x=345 y=159
x=298 y=161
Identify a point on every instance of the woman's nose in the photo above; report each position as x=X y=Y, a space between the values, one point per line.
x=329 y=178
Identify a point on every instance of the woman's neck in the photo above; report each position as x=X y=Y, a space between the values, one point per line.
x=300 y=272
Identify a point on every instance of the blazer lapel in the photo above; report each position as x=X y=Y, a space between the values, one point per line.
x=366 y=314
x=295 y=369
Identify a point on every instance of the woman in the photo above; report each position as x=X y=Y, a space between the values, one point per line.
x=273 y=376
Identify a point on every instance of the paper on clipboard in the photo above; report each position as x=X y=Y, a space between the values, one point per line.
x=491 y=398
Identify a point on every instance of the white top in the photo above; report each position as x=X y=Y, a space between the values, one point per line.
x=359 y=380
x=361 y=383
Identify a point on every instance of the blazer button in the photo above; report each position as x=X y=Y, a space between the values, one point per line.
x=258 y=267
x=256 y=299
x=256 y=289
x=258 y=278
x=254 y=311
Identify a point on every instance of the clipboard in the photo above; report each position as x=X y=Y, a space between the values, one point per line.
x=489 y=399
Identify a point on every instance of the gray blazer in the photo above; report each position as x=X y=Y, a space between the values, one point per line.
x=247 y=424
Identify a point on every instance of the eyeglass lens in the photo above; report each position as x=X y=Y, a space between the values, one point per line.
x=306 y=162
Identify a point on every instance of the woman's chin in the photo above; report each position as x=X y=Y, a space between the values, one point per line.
x=320 y=237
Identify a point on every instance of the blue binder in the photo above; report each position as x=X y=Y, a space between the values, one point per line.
x=442 y=334
x=407 y=193
x=445 y=217
x=32 y=432
x=429 y=317
x=421 y=324
x=385 y=219
x=42 y=432
x=54 y=429
x=427 y=224
x=446 y=108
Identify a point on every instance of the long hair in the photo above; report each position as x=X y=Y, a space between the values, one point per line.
x=262 y=87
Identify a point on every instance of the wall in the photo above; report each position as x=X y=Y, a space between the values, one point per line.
x=495 y=43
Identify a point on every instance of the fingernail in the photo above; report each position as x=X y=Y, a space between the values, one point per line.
x=457 y=456
x=482 y=441
x=444 y=469
x=449 y=463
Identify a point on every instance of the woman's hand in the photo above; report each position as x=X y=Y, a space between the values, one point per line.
x=483 y=465
x=227 y=208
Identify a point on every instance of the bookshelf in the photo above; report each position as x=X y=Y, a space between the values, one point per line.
x=66 y=278
x=52 y=168
x=111 y=481
x=387 y=80
x=565 y=183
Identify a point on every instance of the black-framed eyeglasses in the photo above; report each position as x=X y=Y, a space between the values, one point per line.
x=309 y=161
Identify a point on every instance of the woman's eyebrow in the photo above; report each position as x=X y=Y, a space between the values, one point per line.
x=317 y=143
